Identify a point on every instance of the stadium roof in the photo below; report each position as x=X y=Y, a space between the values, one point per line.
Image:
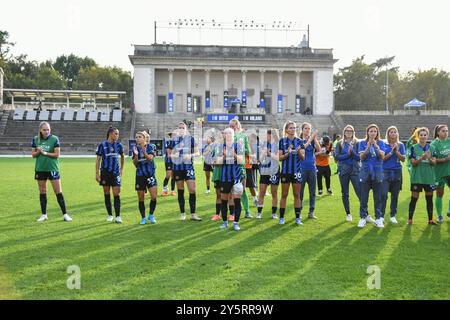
x=67 y=94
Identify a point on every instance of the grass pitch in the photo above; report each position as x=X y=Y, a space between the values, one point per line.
x=323 y=259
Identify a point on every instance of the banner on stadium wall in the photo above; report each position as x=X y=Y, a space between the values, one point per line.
x=280 y=103
x=262 y=104
x=244 y=99
x=207 y=99
x=189 y=102
x=226 y=104
x=297 y=103
x=218 y=118
x=170 y=101
x=244 y=118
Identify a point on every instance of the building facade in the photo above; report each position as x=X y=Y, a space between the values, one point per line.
x=222 y=79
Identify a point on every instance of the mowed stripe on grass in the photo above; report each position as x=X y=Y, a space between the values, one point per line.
x=323 y=259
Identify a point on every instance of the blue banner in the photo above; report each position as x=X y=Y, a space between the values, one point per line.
x=297 y=104
x=207 y=100
x=262 y=104
x=220 y=117
x=244 y=99
x=189 y=102
x=280 y=104
x=170 y=101
x=226 y=105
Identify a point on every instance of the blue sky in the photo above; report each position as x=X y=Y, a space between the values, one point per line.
x=414 y=31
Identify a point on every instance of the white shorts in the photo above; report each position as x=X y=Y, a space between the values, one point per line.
x=238 y=189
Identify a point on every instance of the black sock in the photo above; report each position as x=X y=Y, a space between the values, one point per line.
x=108 y=204
x=297 y=212
x=43 y=200
x=237 y=209
x=223 y=209
x=429 y=206
x=260 y=209
x=166 y=182
x=142 y=209
x=117 y=205
x=61 y=202
x=181 y=200
x=218 y=207
x=412 y=207
x=274 y=210
x=282 y=212
x=207 y=187
x=152 y=206
x=231 y=207
x=172 y=184
x=192 y=202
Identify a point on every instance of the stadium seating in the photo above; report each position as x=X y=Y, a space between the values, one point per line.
x=77 y=137
x=117 y=115
x=31 y=115
x=43 y=115
x=56 y=115
x=93 y=115
x=68 y=114
x=104 y=115
x=81 y=115
x=18 y=114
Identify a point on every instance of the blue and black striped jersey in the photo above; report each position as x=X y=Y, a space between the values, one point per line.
x=291 y=164
x=269 y=165
x=110 y=156
x=144 y=167
x=167 y=145
x=208 y=153
x=231 y=169
x=182 y=146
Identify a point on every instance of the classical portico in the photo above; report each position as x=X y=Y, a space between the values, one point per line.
x=218 y=79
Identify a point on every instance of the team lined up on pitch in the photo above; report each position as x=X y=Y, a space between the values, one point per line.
x=236 y=159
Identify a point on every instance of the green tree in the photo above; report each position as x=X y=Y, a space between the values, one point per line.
x=5 y=45
x=105 y=78
x=48 y=78
x=356 y=87
x=70 y=66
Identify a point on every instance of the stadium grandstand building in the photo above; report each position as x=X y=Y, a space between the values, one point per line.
x=79 y=118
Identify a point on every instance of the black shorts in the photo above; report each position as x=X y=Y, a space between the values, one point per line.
x=207 y=167
x=291 y=178
x=184 y=175
x=225 y=187
x=417 y=187
x=251 y=178
x=273 y=180
x=168 y=165
x=44 y=175
x=110 y=179
x=143 y=183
